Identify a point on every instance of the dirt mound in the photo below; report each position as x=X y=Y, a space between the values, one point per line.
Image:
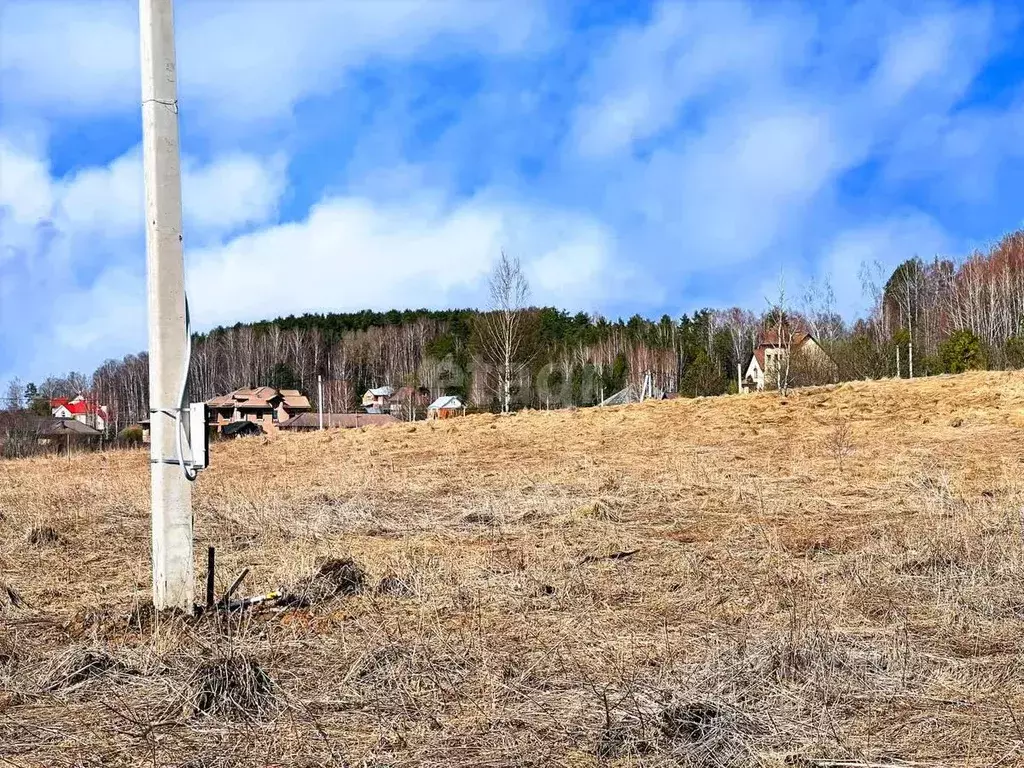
x=43 y=536
x=79 y=666
x=232 y=688
x=337 y=577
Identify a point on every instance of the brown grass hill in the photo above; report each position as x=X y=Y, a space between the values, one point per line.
x=829 y=578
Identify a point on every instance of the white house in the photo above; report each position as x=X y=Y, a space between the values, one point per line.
x=88 y=412
x=446 y=407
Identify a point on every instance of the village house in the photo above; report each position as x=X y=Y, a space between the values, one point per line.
x=81 y=409
x=62 y=431
x=446 y=407
x=22 y=432
x=378 y=399
x=409 y=403
x=265 y=406
x=770 y=354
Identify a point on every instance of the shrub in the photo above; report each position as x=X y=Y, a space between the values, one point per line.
x=927 y=365
x=1014 y=352
x=18 y=437
x=811 y=368
x=130 y=436
x=962 y=351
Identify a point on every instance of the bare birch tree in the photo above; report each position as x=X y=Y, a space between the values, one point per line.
x=504 y=326
x=780 y=320
x=14 y=401
x=823 y=320
x=905 y=288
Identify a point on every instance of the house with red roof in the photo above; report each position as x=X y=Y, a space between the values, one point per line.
x=83 y=409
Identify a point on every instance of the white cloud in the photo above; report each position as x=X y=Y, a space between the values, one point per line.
x=25 y=193
x=962 y=155
x=887 y=242
x=349 y=254
x=731 y=193
x=232 y=192
x=353 y=253
x=104 y=201
x=70 y=57
x=71 y=249
x=237 y=60
x=651 y=73
x=107 y=317
x=939 y=53
x=728 y=128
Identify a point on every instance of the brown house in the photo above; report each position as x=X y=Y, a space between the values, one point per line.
x=410 y=403
x=265 y=406
x=378 y=399
x=772 y=353
x=446 y=407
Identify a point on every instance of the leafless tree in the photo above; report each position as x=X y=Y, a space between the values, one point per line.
x=744 y=331
x=823 y=320
x=838 y=442
x=872 y=278
x=504 y=325
x=986 y=294
x=782 y=327
x=14 y=397
x=906 y=286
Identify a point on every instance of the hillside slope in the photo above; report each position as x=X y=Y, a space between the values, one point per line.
x=831 y=576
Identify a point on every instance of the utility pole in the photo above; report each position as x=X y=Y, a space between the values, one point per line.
x=320 y=399
x=171 y=495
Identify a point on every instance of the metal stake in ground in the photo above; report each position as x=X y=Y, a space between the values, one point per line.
x=170 y=492
x=211 y=564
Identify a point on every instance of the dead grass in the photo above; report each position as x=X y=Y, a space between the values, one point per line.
x=830 y=578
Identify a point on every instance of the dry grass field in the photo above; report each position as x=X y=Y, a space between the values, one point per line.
x=834 y=578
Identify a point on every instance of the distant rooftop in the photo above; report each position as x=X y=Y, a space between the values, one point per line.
x=447 y=402
x=261 y=397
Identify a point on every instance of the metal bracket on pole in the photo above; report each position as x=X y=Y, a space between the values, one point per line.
x=198 y=436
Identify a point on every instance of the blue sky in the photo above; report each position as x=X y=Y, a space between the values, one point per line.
x=638 y=157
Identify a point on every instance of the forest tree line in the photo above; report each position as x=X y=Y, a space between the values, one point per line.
x=923 y=318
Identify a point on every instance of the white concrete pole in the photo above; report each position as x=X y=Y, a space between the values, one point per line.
x=171 y=495
x=320 y=399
